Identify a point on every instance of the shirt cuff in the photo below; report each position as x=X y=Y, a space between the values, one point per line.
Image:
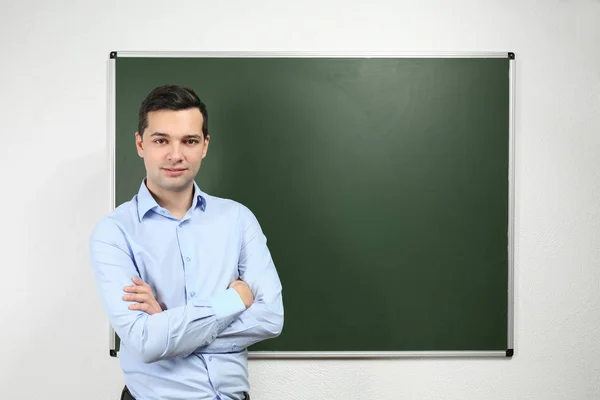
x=228 y=305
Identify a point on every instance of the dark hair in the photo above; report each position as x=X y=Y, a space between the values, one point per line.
x=171 y=97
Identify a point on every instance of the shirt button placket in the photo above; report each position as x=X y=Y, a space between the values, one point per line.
x=187 y=259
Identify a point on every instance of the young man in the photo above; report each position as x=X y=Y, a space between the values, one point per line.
x=186 y=278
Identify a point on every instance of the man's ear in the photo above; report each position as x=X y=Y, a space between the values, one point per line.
x=206 y=141
x=139 y=144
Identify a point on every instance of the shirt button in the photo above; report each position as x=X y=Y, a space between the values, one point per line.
x=210 y=358
x=188 y=259
x=192 y=294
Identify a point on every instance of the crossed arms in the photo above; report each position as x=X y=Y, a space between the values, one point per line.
x=248 y=311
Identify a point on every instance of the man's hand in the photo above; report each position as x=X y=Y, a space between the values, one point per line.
x=244 y=291
x=142 y=294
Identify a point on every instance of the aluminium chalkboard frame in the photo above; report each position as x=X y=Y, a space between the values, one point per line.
x=111 y=143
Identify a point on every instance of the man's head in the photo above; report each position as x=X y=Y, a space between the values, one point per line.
x=172 y=137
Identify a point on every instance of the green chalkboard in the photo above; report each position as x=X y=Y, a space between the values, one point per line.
x=383 y=185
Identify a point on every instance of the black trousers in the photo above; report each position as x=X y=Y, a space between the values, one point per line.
x=126 y=395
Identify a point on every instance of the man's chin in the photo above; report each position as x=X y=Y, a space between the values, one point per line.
x=176 y=184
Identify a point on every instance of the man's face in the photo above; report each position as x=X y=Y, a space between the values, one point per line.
x=172 y=147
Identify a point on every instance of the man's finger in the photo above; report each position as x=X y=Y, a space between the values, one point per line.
x=136 y=289
x=139 y=306
x=136 y=297
x=139 y=282
x=235 y=283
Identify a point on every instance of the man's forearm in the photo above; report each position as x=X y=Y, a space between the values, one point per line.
x=260 y=322
x=179 y=331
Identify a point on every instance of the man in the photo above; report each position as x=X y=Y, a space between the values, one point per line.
x=186 y=278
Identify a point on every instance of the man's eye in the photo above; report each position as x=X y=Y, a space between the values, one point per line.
x=159 y=141
x=193 y=141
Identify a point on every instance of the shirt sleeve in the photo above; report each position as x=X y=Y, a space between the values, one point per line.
x=264 y=319
x=172 y=333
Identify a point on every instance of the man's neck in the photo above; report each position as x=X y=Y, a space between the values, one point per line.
x=176 y=202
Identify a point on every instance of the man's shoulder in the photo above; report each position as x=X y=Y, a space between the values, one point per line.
x=222 y=205
x=118 y=221
x=229 y=208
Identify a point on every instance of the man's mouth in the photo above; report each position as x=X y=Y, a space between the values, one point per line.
x=174 y=171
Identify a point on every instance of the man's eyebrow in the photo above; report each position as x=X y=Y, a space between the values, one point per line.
x=191 y=136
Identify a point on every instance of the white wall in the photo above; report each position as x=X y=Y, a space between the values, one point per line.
x=53 y=335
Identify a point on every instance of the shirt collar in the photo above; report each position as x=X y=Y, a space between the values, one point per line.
x=146 y=202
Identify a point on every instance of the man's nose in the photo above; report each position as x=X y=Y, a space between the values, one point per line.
x=175 y=154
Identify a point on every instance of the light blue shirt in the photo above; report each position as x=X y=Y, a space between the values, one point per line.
x=197 y=347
